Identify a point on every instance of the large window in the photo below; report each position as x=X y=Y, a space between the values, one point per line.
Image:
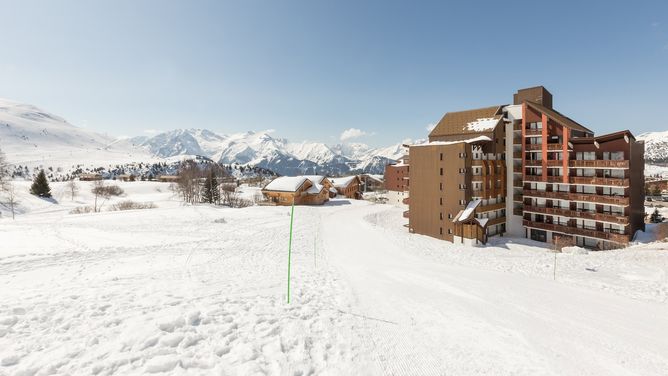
x=585 y=155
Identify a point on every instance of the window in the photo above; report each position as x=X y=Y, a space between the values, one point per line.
x=440 y=186
x=441 y=172
x=449 y=216
x=462 y=202
x=441 y=156
x=450 y=231
x=441 y=216
x=441 y=200
x=441 y=230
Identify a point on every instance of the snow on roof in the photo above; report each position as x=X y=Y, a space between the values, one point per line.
x=286 y=184
x=315 y=189
x=467 y=213
x=315 y=178
x=482 y=124
x=442 y=143
x=482 y=221
x=343 y=181
x=379 y=178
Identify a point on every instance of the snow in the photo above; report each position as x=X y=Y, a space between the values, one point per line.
x=482 y=124
x=468 y=211
x=343 y=181
x=178 y=291
x=656 y=146
x=286 y=183
x=443 y=143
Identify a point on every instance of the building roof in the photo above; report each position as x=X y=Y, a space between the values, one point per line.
x=468 y=212
x=468 y=122
x=343 y=181
x=315 y=189
x=443 y=143
x=315 y=178
x=558 y=117
x=286 y=184
x=603 y=137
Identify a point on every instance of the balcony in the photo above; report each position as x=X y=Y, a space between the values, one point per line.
x=491 y=207
x=592 y=180
x=477 y=193
x=555 y=163
x=533 y=177
x=570 y=230
x=517 y=140
x=533 y=132
x=406 y=201
x=598 y=164
x=476 y=177
x=517 y=154
x=594 y=216
x=518 y=197
x=476 y=162
x=558 y=146
x=407 y=214
x=517 y=127
x=555 y=179
x=518 y=183
x=496 y=221
x=584 y=197
x=517 y=169
x=533 y=162
x=517 y=211
x=533 y=146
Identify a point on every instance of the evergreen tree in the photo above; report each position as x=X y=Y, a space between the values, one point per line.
x=211 y=193
x=40 y=186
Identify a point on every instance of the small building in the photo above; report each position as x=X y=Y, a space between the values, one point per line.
x=468 y=228
x=299 y=190
x=168 y=178
x=324 y=181
x=125 y=177
x=348 y=186
x=372 y=183
x=90 y=177
x=397 y=182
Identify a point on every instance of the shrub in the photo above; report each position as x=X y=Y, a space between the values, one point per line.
x=132 y=205
x=82 y=210
x=107 y=190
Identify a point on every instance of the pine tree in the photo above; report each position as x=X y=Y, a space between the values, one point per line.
x=40 y=186
x=211 y=193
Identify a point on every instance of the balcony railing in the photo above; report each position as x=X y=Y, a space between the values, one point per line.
x=555 y=163
x=406 y=201
x=555 y=179
x=517 y=154
x=598 y=164
x=570 y=230
x=533 y=132
x=592 y=180
x=517 y=127
x=518 y=183
x=517 y=169
x=585 y=197
x=491 y=207
x=476 y=177
x=595 y=216
x=533 y=162
x=496 y=221
x=518 y=197
x=533 y=177
x=476 y=162
x=517 y=211
x=407 y=214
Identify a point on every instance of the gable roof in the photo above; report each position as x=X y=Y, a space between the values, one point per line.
x=480 y=120
x=558 y=117
x=604 y=137
x=343 y=182
x=286 y=184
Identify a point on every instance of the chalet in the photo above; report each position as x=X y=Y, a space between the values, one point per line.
x=299 y=190
x=324 y=181
x=168 y=178
x=125 y=177
x=348 y=186
x=90 y=177
x=372 y=183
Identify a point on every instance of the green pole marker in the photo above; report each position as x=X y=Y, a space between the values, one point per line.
x=292 y=215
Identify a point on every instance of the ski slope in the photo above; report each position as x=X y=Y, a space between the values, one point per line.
x=200 y=290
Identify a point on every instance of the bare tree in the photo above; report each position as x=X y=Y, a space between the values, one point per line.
x=100 y=193
x=4 y=170
x=73 y=188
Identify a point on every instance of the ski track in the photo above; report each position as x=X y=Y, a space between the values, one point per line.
x=175 y=291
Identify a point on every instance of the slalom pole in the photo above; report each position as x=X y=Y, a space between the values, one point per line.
x=292 y=215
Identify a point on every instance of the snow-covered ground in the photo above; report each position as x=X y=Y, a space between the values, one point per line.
x=202 y=290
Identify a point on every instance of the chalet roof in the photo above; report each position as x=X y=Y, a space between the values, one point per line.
x=286 y=184
x=315 y=189
x=468 y=212
x=343 y=182
x=558 y=117
x=468 y=122
x=315 y=178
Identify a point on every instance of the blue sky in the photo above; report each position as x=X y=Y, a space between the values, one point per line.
x=312 y=69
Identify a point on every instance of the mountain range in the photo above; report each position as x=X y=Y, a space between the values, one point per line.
x=31 y=136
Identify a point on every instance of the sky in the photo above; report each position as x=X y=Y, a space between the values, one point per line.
x=377 y=72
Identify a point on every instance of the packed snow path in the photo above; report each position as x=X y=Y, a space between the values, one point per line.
x=429 y=318
x=201 y=290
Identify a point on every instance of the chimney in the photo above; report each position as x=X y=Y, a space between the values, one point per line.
x=536 y=94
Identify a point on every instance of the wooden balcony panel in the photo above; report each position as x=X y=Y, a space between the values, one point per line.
x=533 y=178
x=407 y=214
x=406 y=201
x=492 y=207
x=476 y=162
x=533 y=146
x=599 y=199
x=533 y=163
x=592 y=180
x=496 y=221
x=570 y=230
x=518 y=198
x=594 y=216
x=598 y=164
x=517 y=127
x=555 y=179
x=517 y=154
x=555 y=163
x=518 y=183
x=555 y=147
x=517 y=211
x=533 y=132
x=477 y=178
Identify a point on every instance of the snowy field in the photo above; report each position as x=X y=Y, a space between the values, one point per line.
x=201 y=290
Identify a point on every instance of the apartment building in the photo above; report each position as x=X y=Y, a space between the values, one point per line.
x=527 y=170
x=396 y=182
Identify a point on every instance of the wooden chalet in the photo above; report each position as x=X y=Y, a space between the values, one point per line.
x=299 y=190
x=90 y=177
x=348 y=186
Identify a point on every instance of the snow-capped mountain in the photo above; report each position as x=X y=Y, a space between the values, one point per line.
x=656 y=146
x=31 y=136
